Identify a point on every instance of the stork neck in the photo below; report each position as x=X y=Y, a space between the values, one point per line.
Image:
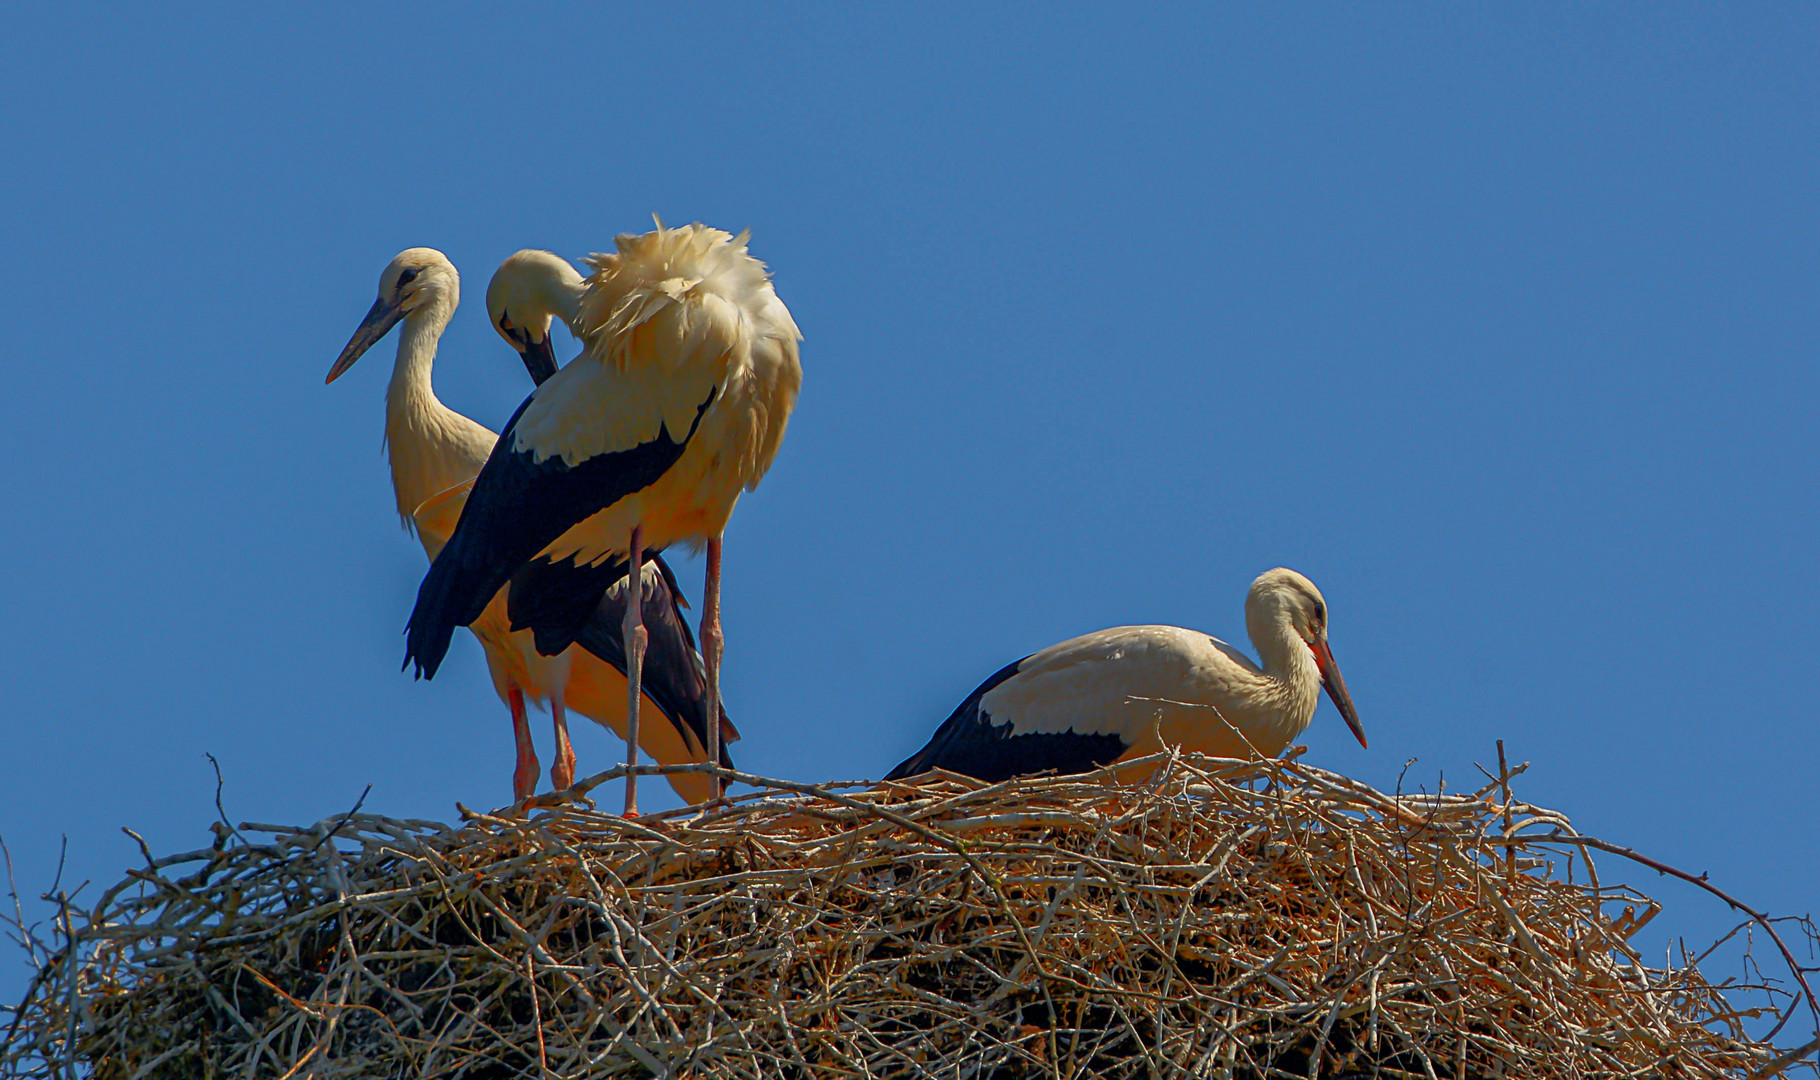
x=565 y=303
x=549 y=286
x=416 y=423
x=1284 y=656
x=417 y=339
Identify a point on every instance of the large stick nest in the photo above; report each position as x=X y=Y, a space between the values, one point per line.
x=1226 y=919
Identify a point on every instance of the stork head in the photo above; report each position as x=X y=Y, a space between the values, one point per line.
x=417 y=279
x=529 y=291
x=1284 y=608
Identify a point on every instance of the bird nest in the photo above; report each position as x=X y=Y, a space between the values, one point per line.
x=1225 y=919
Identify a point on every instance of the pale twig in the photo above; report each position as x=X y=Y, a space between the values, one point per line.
x=1760 y=918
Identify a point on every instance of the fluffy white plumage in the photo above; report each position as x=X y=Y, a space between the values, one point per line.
x=670 y=319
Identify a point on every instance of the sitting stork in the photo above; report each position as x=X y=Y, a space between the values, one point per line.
x=677 y=404
x=1133 y=691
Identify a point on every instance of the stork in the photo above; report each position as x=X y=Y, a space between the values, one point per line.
x=562 y=603
x=435 y=453
x=677 y=405
x=1132 y=691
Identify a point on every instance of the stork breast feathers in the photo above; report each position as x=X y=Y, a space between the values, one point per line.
x=437 y=516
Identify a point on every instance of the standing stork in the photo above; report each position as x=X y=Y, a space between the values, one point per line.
x=435 y=454
x=563 y=604
x=676 y=406
x=1132 y=691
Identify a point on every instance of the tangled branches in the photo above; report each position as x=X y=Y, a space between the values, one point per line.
x=1226 y=919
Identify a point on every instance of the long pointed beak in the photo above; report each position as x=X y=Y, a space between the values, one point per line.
x=380 y=319
x=539 y=357
x=1336 y=687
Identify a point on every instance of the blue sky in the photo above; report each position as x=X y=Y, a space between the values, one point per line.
x=1499 y=322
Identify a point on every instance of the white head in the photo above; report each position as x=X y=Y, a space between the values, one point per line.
x=417 y=280
x=528 y=291
x=1285 y=611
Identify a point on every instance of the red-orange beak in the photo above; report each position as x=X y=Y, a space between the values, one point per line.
x=1336 y=687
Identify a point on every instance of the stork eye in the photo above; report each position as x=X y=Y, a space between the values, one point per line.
x=406 y=277
x=505 y=322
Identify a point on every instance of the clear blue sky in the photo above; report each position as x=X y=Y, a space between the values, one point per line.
x=1499 y=322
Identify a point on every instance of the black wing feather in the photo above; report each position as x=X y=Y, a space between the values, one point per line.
x=556 y=599
x=970 y=744
x=518 y=506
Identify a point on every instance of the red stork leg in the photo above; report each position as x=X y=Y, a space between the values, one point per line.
x=635 y=638
x=524 y=777
x=562 y=770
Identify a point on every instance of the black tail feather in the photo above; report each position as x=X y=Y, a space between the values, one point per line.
x=948 y=747
x=453 y=593
x=556 y=599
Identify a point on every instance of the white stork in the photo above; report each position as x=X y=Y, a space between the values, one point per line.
x=562 y=603
x=435 y=453
x=1132 y=691
x=676 y=406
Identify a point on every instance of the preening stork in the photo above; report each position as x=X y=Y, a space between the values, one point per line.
x=529 y=293
x=561 y=603
x=435 y=454
x=677 y=405
x=1133 y=691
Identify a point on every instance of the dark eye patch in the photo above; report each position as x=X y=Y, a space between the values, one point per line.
x=406 y=277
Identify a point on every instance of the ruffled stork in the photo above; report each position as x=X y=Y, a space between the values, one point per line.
x=677 y=404
x=562 y=603
x=1133 y=691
